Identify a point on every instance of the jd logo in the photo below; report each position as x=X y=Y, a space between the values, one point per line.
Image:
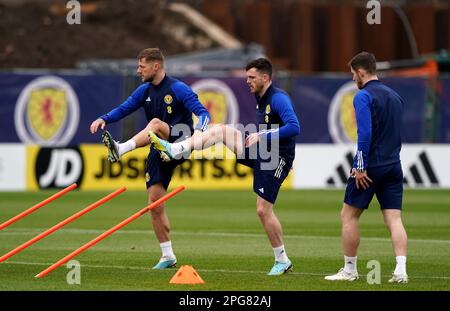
x=59 y=167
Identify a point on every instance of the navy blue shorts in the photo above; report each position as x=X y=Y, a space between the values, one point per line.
x=158 y=171
x=267 y=183
x=387 y=185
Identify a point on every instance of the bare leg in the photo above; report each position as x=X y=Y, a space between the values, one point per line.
x=350 y=229
x=270 y=222
x=350 y=242
x=160 y=220
x=157 y=126
x=229 y=136
x=393 y=221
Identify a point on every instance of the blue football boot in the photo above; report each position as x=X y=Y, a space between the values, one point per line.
x=162 y=146
x=165 y=263
x=280 y=268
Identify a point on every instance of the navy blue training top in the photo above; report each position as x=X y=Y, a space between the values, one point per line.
x=276 y=112
x=378 y=111
x=171 y=101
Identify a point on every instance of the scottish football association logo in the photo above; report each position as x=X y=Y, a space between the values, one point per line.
x=47 y=112
x=218 y=99
x=341 y=115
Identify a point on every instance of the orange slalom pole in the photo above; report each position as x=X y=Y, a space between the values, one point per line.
x=37 y=206
x=62 y=223
x=109 y=232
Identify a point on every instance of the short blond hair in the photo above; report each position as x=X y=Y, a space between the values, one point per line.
x=151 y=55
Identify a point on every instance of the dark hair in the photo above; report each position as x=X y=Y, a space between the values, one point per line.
x=151 y=54
x=261 y=64
x=364 y=60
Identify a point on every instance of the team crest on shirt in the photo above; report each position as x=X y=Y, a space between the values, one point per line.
x=267 y=109
x=47 y=112
x=219 y=99
x=147 y=177
x=341 y=115
x=168 y=99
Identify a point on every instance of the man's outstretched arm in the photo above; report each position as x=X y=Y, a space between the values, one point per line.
x=133 y=102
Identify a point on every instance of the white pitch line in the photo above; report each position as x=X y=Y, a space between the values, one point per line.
x=30 y=231
x=203 y=270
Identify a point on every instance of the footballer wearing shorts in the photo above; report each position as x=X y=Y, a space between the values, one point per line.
x=167 y=103
x=275 y=113
x=376 y=169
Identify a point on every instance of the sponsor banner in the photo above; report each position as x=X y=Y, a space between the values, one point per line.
x=55 y=110
x=88 y=166
x=325 y=108
x=54 y=167
x=424 y=165
x=12 y=167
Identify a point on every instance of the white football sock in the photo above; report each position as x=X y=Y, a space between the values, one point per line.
x=167 y=250
x=400 y=268
x=280 y=254
x=350 y=264
x=127 y=146
x=179 y=148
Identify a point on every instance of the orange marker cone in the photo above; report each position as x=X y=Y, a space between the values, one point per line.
x=186 y=275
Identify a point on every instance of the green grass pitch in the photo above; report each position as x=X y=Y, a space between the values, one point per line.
x=219 y=234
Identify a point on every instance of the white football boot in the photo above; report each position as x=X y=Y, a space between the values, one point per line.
x=343 y=276
x=398 y=278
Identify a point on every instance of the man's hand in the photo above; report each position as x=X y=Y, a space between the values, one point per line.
x=362 y=180
x=252 y=139
x=96 y=124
